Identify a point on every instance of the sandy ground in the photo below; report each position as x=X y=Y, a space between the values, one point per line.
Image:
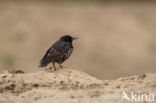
x=71 y=86
x=115 y=40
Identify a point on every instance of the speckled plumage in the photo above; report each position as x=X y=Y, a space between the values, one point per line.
x=58 y=52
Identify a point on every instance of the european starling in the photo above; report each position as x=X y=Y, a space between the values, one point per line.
x=58 y=52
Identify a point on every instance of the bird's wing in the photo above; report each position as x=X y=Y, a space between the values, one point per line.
x=55 y=51
x=59 y=49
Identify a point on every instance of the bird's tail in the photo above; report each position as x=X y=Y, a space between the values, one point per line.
x=44 y=62
x=42 y=65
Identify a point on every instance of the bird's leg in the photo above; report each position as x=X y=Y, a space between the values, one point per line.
x=60 y=65
x=54 y=66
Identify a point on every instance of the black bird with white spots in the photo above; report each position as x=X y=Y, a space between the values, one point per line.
x=58 y=52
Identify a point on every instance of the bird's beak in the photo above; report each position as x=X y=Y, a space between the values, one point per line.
x=74 y=38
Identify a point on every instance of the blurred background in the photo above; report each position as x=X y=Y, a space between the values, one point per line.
x=116 y=38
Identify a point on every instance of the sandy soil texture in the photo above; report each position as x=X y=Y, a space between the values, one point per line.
x=71 y=86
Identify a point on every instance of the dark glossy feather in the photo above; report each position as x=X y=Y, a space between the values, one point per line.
x=58 y=52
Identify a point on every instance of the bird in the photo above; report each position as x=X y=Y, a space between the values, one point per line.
x=59 y=52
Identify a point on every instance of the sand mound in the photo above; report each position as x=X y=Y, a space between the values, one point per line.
x=70 y=86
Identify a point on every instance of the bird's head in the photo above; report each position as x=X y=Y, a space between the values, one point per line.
x=67 y=38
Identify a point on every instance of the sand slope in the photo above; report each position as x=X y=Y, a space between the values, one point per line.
x=70 y=86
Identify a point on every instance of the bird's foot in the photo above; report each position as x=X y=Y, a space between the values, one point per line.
x=61 y=66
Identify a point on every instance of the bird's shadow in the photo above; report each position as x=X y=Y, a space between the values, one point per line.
x=52 y=70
